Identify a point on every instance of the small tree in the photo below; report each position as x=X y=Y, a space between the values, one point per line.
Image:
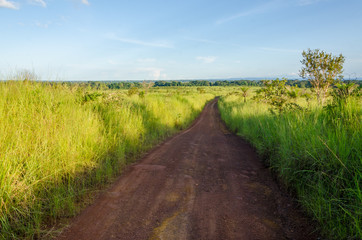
x=244 y=93
x=322 y=69
x=147 y=85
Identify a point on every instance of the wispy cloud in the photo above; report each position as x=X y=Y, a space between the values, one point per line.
x=208 y=59
x=154 y=73
x=111 y=62
x=280 y=50
x=38 y=2
x=8 y=4
x=308 y=2
x=250 y=12
x=42 y=25
x=85 y=2
x=140 y=42
x=146 y=60
x=199 y=40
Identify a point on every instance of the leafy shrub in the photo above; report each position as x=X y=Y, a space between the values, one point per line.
x=276 y=94
x=89 y=97
x=132 y=91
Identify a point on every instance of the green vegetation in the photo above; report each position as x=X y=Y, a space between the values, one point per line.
x=323 y=70
x=315 y=151
x=60 y=142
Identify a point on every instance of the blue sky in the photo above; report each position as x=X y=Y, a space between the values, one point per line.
x=188 y=39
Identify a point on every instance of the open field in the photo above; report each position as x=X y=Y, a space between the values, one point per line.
x=315 y=152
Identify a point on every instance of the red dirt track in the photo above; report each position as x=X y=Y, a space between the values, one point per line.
x=204 y=183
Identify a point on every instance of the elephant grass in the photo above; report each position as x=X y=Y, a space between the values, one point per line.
x=58 y=146
x=315 y=153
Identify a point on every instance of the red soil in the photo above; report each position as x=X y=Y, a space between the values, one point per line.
x=204 y=183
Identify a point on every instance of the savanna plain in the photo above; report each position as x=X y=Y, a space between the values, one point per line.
x=61 y=143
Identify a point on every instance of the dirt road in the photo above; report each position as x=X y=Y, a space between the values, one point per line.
x=204 y=183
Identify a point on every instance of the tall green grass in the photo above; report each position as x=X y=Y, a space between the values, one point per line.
x=59 y=143
x=316 y=153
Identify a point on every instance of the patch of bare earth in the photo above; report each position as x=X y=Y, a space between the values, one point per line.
x=204 y=183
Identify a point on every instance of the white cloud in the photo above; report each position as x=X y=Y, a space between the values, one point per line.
x=8 y=4
x=208 y=59
x=85 y=2
x=140 y=42
x=38 y=2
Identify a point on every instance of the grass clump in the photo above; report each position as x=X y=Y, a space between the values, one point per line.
x=60 y=142
x=315 y=151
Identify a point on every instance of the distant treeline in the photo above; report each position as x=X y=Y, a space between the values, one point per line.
x=199 y=83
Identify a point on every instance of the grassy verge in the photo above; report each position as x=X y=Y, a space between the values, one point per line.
x=316 y=153
x=58 y=143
